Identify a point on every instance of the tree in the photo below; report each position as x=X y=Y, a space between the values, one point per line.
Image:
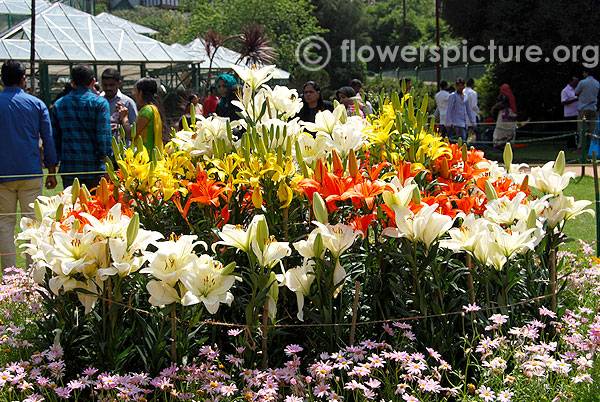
x=547 y=24
x=172 y=25
x=285 y=22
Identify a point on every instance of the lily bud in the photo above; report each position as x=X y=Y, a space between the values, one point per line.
x=319 y=171
x=116 y=148
x=102 y=192
x=83 y=198
x=320 y=209
x=185 y=125
x=273 y=295
x=465 y=153
x=192 y=115
x=352 y=164
x=75 y=190
x=532 y=220
x=525 y=183
x=338 y=168
x=59 y=212
x=300 y=160
x=416 y=196
x=257 y=199
x=396 y=98
x=139 y=144
x=559 y=165
x=490 y=192
x=444 y=169
x=508 y=156
x=132 y=229
x=262 y=232
x=228 y=269
x=459 y=142
x=37 y=209
x=318 y=247
x=116 y=194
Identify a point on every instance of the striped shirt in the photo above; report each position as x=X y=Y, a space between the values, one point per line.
x=81 y=130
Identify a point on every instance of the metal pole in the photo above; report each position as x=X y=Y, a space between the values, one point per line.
x=32 y=51
x=595 y=163
x=438 y=66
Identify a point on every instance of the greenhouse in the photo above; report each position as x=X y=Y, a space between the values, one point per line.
x=66 y=36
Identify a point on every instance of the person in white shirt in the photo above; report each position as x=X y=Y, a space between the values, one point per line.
x=472 y=95
x=441 y=102
x=570 y=103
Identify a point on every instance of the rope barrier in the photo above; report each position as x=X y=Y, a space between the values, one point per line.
x=15 y=176
x=321 y=325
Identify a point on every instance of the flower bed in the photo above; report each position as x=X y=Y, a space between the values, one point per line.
x=312 y=234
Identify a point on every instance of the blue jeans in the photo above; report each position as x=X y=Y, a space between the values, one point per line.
x=456 y=132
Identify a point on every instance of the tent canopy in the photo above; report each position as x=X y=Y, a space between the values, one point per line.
x=125 y=24
x=65 y=34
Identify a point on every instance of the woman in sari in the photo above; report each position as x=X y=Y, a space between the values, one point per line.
x=149 y=122
x=506 y=122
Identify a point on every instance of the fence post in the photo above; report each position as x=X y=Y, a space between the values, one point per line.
x=597 y=198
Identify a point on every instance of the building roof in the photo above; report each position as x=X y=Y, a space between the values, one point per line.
x=125 y=24
x=65 y=34
x=21 y=7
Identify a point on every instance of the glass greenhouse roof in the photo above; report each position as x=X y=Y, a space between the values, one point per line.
x=21 y=7
x=125 y=24
x=65 y=34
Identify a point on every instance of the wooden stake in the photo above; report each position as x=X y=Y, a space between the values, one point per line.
x=265 y=321
x=553 y=278
x=470 y=285
x=173 y=336
x=354 y=312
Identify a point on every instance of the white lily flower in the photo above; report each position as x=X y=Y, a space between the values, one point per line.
x=398 y=194
x=504 y=211
x=206 y=283
x=347 y=137
x=325 y=121
x=306 y=248
x=113 y=225
x=161 y=293
x=547 y=180
x=171 y=259
x=425 y=226
x=468 y=235
x=71 y=251
x=284 y=101
x=236 y=236
x=338 y=238
x=312 y=148
x=90 y=297
x=299 y=281
x=512 y=241
x=270 y=253
x=254 y=76
x=488 y=252
x=563 y=208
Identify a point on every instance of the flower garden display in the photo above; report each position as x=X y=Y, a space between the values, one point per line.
x=284 y=236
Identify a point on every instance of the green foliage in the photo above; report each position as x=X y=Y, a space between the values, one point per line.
x=286 y=22
x=373 y=87
x=386 y=27
x=172 y=25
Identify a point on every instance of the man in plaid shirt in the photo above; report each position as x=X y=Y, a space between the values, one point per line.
x=81 y=130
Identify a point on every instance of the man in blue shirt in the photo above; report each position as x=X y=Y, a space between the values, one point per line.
x=587 y=92
x=459 y=113
x=23 y=119
x=81 y=129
